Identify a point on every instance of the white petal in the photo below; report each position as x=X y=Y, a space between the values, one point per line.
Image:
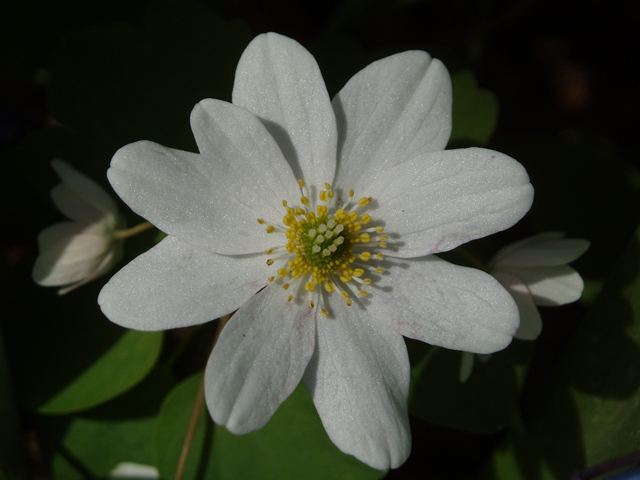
x=108 y=262
x=359 y=381
x=443 y=304
x=133 y=470
x=278 y=80
x=177 y=285
x=544 y=250
x=393 y=110
x=438 y=201
x=79 y=197
x=259 y=360
x=211 y=201
x=530 y=321
x=551 y=286
x=70 y=252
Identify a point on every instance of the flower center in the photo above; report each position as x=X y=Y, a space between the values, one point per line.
x=326 y=247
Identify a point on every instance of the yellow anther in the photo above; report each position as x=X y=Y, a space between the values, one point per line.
x=367 y=281
x=383 y=237
x=271 y=279
x=285 y=286
x=365 y=256
x=364 y=201
x=345 y=278
x=311 y=304
x=379 y=270
x=298 y=211
x=351 y=193
x=309 y=287
x=268 y=251
x=304 y=200
x=284 y=203
x=322 y=211
x=362 y=293
x=331 y=194
x=289 y=298
x=270 y=262
x=311 y=217
x=358 y=272
x=344 y=294
x=301 y=183
x=380 y=256
x=327 y=186
x=383 y=244
x=352 y=217
x=282 y=272
x=366 y=218
x=329 y=287
x=365 y=237
x=324 y=313
x=356 y=227
x=270 y=229
x=349 y=302
x=261 y=221
x=323 y=195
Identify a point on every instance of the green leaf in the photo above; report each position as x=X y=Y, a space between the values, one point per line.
x=292 y=445
x=92 y=443
x=66 y=356
x=485 y=403
x=588 y=411
x=475 y=110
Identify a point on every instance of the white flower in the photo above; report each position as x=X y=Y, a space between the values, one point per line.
x=535 y=272
x=133 y=470
x=239 y=221
x=74 y=253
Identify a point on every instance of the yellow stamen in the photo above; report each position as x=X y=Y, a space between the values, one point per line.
x=270 y=229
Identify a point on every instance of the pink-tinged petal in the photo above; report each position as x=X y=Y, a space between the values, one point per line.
x=80 y=198
x=259 y=360
x=551 y=286
x=544 y=250
x=393 y=110
x=278 y=80
x=438 y=201
x=70 y=252
x=177 y=285
x=212 y=200
x=444 y=304
x=530 y=321
x=359 y=381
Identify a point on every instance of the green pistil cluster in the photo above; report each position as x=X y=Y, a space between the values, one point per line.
x=325 y=243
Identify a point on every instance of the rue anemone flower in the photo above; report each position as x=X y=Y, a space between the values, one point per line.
x=75 y=252
x=317 y=221
x=535 y=272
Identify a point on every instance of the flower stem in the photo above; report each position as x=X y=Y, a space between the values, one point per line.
x=130 y=232
x=195 y=413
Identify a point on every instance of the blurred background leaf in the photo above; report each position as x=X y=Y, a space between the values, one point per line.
x=292 y=445
x=588 y=410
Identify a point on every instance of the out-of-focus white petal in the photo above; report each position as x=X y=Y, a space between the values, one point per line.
x=278 y=80
x=466 y=366
x=551 y=286
x=358 y=378
x=133 y=470
x=259 y=360
x=108 y=262
x=79 y=197
x=444 y=304
x=544 y=250
x=530 y=321
x=197 y=199
x=70 y=252
x=438 y=201
x=393 y=110
x=177 y=285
